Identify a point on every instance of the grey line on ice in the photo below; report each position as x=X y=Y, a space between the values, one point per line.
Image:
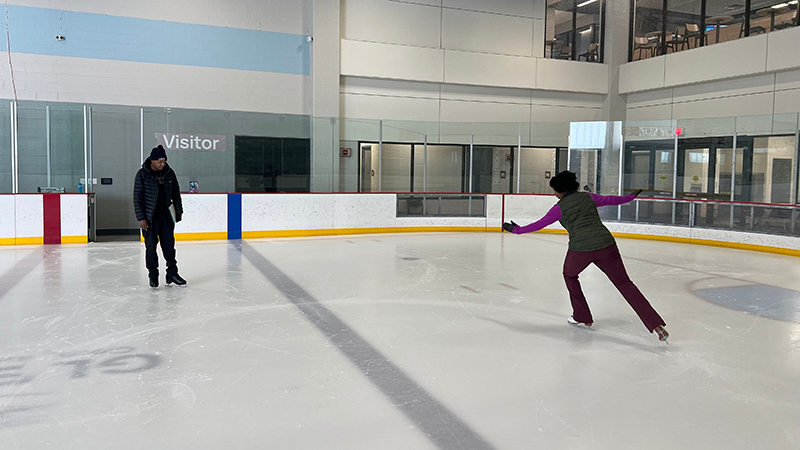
x=14 y=275
x=430 y=416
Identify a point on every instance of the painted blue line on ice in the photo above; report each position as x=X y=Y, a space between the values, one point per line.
x=99 y=36
x=234 y=216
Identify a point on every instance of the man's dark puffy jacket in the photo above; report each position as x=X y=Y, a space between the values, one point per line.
x=145 y=192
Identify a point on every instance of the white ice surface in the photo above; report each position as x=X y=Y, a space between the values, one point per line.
x=383 y=341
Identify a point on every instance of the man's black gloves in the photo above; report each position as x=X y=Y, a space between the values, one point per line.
x=178 y=217
x=509 y=226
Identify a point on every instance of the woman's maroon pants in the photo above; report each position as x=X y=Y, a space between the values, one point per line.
x=610 y=262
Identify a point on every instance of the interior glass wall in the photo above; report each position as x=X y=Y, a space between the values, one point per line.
x=51 y=147
x=265 y=164
x=573 y=30
x=666 y=26
x=275 y=153
x=772 y=15
x=446 y=168
x=648 y=22
x=202 y=148
x=6 y=178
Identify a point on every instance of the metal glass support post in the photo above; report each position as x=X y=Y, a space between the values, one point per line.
x=380 y=151
x=141 y=128
x=334 y=154
x=425 y=165
x=14 y=150
x=796 y=175
x=621 y=164
x=674 y=178
x=796 y=168
x=49 y=146
x=636 y=219
x=469 y=199
x=86 y=180
x=519 y=160
x=733 y=174
x=471 y=142
x=88 y=119
x=424 y=173
x=691 y=214
x=569 y=152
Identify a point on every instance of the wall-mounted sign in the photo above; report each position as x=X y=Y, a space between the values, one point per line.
x=345 y=152
x=652 y=131
x=195 y=142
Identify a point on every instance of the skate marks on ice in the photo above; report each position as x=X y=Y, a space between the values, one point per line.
x=434 y=419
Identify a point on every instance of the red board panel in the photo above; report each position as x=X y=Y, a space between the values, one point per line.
x=52 y=218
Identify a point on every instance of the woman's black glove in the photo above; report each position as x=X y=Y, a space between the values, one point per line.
x=509 y=226
x=636 y=194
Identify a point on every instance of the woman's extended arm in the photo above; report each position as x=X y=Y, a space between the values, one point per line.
x=552 y=216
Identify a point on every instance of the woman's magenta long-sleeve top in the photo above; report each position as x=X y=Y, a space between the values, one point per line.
x=554 y=215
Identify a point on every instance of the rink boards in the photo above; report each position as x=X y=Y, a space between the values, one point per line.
x=62 y=218
x=43 y=219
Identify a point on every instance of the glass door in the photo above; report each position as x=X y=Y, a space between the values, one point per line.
x=536 y=167
x=650 y=166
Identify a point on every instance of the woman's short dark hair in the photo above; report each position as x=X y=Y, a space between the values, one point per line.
x=564 y=182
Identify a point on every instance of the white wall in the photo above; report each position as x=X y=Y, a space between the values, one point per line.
x=431 y=105
x=460 y=61
x=110 y=79
x=273 y=15
x=759 y=75
x=774 y=93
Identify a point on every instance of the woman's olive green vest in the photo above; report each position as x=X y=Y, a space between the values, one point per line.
x=580 y=218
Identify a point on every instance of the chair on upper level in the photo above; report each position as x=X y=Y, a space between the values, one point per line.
x=754 y=30
x=566 y=52
x=590 y=54
x=792 y=23
x=674 y=40
x=693 y=33
x=643 y=44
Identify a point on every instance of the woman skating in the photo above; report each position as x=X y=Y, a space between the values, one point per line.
x=590 y=242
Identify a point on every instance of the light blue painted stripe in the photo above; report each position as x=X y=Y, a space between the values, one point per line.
x=98 y=36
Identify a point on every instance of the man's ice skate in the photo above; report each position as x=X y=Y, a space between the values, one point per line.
x=176 y=279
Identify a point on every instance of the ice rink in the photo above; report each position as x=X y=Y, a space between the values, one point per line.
x=395 y=342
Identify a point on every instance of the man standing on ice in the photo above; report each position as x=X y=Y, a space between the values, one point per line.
x=155 y=189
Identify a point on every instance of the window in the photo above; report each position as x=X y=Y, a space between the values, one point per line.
x=660 y=27
x=574 y=30
x=265 y=164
